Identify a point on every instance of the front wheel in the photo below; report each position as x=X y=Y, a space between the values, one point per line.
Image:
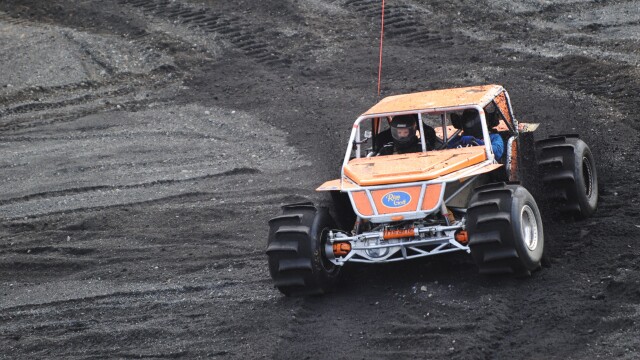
x=505 y=230
x=295 y=249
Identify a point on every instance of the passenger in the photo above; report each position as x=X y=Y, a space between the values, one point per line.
x=472 y=134
x=405 y=139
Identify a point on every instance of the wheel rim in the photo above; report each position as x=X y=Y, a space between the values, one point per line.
x=529 y=227
x=587 y=174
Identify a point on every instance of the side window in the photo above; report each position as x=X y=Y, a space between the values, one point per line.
x=494 y=115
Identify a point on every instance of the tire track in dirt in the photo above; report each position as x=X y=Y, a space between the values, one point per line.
x=252 y=41
x=151 y=289
x=619 y=83
x=117 y=84
x=89 y=189
x=14 y=20
x=422 y=314
x=93 y=262
x=66 y=103
x=94 y=198
x=403 y=22
x=559 y=10
x=98 y=318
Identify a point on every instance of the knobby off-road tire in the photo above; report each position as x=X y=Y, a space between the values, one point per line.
x=295 y=249
x=527 y=164
x=505 y=230
x=568 y=174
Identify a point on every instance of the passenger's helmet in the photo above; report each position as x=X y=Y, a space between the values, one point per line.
x=403 y=130
x=491 y=113
x=471 y=124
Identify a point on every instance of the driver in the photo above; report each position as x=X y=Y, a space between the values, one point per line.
x=405 y=139
x=472 y=134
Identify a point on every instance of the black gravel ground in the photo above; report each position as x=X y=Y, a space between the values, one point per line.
x=144 y=145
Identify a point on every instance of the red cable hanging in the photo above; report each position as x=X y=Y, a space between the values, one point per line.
x=381 y=38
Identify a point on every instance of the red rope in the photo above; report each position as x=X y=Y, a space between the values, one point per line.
x=381 y=38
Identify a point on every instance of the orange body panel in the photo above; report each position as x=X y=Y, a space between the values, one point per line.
x=379 y=195
x=501 y=101
x=330 y=185
x=431 y=196
x=431 y=199
x=393 y=169
x=336 y=184
x=362 y=203
x=513 y=176
x=474 y=95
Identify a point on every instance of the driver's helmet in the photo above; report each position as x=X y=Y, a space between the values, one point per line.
x=403 y=130
x=471 y=124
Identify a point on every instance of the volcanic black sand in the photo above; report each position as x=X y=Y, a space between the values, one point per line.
x=144 y=145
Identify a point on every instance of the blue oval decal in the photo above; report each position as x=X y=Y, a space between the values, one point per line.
x=396 y=199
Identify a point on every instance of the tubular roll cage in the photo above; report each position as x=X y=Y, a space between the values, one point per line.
x=355 y=131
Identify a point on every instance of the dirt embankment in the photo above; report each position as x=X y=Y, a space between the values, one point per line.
x=144 y=145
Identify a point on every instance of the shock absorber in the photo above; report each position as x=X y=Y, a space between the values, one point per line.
x=448 y=215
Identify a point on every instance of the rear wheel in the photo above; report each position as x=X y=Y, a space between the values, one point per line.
x=297 y=262
x=569 y=175
x=526 y=164
x=505 y=230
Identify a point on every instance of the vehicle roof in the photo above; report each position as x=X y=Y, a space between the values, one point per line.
x=430 y=100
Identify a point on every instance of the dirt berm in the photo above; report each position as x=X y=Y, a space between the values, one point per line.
x=144 y=145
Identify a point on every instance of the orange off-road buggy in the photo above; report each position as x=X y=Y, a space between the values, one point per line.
x=406 y=206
